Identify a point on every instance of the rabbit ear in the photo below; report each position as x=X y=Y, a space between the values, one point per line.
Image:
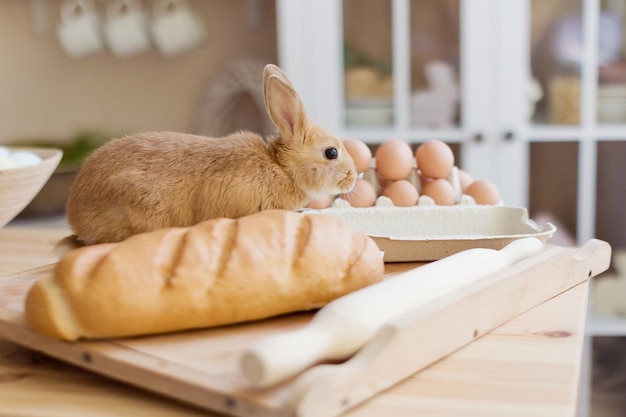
x=283 y=104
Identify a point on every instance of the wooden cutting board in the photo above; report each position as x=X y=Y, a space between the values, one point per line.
x=200 y=367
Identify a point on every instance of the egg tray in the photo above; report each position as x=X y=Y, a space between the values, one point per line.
x=431 y=232
x=428 y=231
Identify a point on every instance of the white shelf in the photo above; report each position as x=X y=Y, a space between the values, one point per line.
x=558 y=133
x=599 y=324
x=376 y=135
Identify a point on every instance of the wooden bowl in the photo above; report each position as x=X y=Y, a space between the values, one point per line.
x=18 y=186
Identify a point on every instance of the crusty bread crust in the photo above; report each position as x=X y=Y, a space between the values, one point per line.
x=217 y=272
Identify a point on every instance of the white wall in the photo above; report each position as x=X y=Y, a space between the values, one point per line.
x=45 y=94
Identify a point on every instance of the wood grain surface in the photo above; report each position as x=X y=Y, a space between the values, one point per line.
x=22 y=249
x=528 y=366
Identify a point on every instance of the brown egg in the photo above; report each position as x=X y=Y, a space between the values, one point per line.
x=402 y=193
x=321 y=203
x=484 y=192
x=441 y=191
x=434 y=159
x=360 y=153
x=465 y=179
x=394 y=159
x=362 y=195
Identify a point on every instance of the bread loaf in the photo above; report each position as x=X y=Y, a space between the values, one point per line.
x=217 y=272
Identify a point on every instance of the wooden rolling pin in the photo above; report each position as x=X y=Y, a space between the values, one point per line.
x=343 y=326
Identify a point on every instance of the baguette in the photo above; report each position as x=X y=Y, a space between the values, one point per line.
x=220 y=271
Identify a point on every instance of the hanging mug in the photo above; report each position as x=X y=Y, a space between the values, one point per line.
x=79 y=30
x=175 y=28
x=125 y=28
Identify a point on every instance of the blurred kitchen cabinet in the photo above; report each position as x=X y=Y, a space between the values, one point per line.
x=416 y=70
x=531 y=93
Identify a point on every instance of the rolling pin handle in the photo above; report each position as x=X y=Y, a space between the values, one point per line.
x=275 y=358
x=522 y=248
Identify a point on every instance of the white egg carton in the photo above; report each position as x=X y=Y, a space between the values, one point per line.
x=429 y=232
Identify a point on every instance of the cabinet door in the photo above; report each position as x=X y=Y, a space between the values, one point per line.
x=577 y=131
x=559 y=145
x=497 y=74
x=414 y=70
x=310 y=51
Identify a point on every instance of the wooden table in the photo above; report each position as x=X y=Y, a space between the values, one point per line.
x=527 y=367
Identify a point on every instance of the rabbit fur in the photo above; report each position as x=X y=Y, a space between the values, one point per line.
x=149 y=181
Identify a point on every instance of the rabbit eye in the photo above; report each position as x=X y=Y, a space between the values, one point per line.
x=331 y=153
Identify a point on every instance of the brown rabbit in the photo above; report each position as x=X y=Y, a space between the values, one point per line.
x=149 y=181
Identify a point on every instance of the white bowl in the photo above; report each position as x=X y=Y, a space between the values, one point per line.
x=18 y=186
